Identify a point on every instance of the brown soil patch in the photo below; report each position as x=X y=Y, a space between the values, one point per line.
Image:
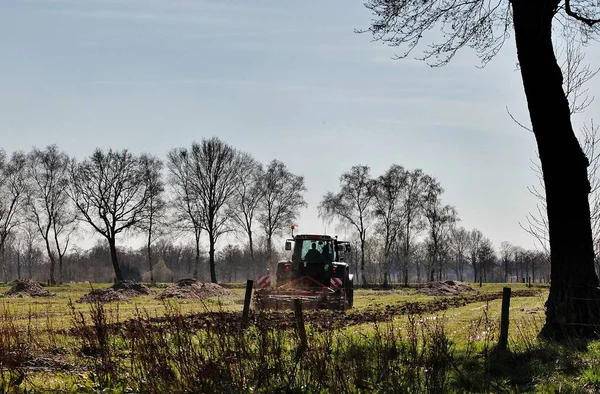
x=131 y=289
x=102 y=295
x=447 y=288
x=225 y=322
x=120 y=291
x=28 y=287
x=191 y=288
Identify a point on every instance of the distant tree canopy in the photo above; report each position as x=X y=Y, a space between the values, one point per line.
x=484 y=26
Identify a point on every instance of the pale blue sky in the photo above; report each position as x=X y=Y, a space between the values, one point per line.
x=279 y=79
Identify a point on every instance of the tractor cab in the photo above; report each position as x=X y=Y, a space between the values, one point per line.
x=309 y=248
x=319 y=257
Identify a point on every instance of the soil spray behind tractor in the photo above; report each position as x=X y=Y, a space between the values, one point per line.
x=316 y=274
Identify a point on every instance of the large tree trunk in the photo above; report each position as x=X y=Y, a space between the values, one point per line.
x=113 y=256
x=570 y=309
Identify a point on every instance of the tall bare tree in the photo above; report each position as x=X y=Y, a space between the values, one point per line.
x=13 y=192
x=28 y=248
x=506 y=253
x=111 y=195
x=387 y=203
x=459 y=242
x=412 y=216
x=154 y=222
x=213 y=169
x=49 y=206
x=247 y=197
x=475 y=243
x=352 y=205
x=485 y=25
x=577 y=73
x=440 y=218
x=280 y=205
x=187 y=206
x=486 y=257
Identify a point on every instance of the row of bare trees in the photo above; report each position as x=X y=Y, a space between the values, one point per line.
x=465 y=255
x=209 y=188
x=398 y=206
x=404 y=231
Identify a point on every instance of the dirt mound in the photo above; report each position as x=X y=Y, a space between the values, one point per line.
x=191 y=288
x=27 y=287
x=102 y=295
x=131 y=289
x=447 y=288
x=120 y=291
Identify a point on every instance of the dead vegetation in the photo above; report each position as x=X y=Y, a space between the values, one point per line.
x=191 y=288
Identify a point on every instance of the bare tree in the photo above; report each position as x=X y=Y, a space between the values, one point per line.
x=352 y=205
x=459 y=242
x=440 y=218
x=412 y=216
x=387 y=202
x=213 y=168
x=13 y=192
x=485 y=25
x=486 y=257
x=506 y=253
x=247 y=197
x=48 y=203
x=475 y=242
x=577 y=74
x=154 y=222
x=187 y=206
x=111 y=195
x=281 y=201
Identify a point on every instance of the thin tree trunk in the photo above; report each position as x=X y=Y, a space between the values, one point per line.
x=52 y=261
x=251 y=246
x=197 y=255
x=18 y=265
x=211 y=258
x=362 y=260
x=564 y=166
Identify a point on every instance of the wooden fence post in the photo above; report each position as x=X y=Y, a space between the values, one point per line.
x=503 y=340
x=300 y=322
x=247 y=298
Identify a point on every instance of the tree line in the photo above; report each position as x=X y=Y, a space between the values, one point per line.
x=208 y=189
x=403 y=231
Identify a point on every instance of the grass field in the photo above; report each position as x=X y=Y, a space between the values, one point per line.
x=392 y=341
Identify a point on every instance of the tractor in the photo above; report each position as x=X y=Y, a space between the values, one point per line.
x=316 y=274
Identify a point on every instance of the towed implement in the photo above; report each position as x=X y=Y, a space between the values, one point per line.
x=316 y=275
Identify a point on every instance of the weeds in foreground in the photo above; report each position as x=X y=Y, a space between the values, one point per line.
x=180 y=353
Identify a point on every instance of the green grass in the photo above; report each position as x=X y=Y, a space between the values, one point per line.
x=457 y=343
